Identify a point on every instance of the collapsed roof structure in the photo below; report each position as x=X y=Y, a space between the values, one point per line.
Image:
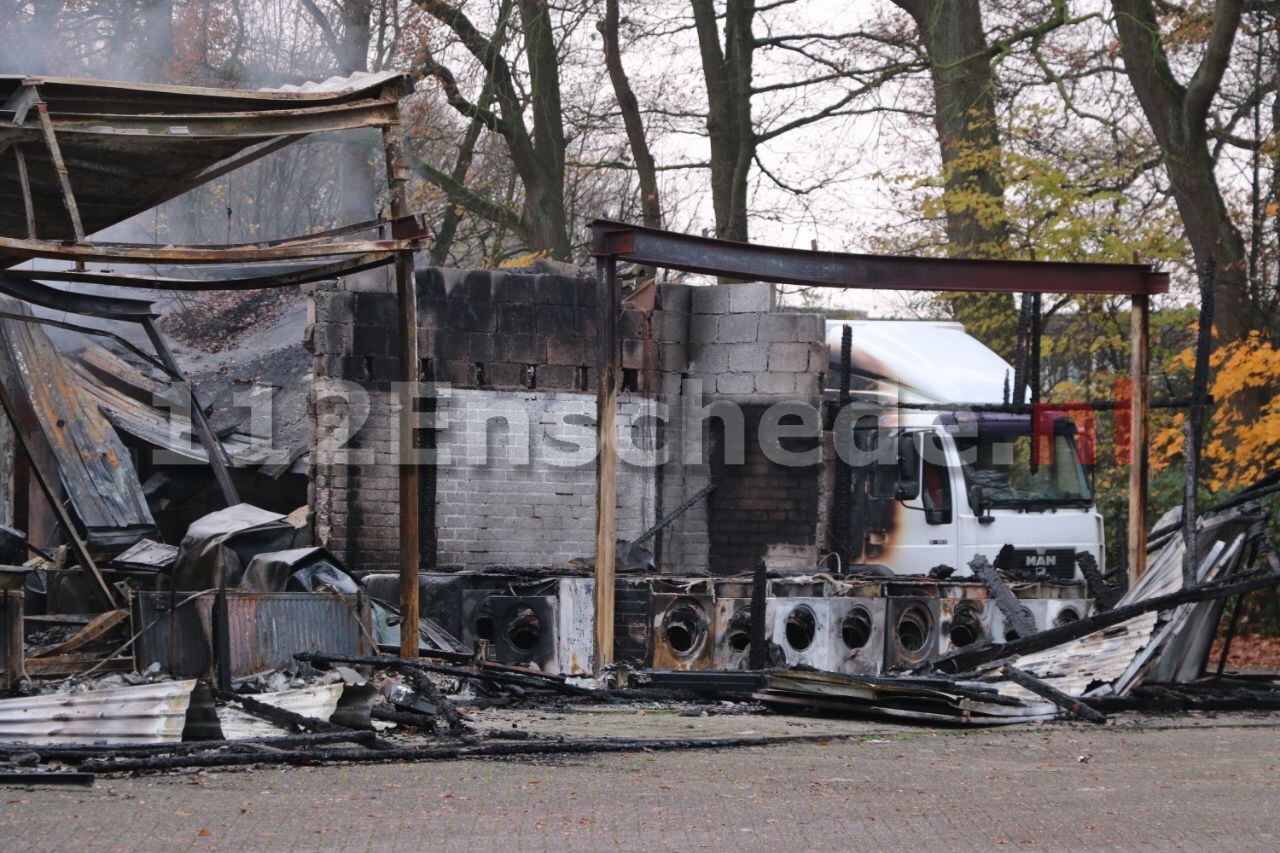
x=87 y=155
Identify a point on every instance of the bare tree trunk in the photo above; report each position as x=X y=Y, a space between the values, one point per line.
x=646 y=170
x=969 y=138
x=727 y=72
x=537 y=153
x=155 y=50
x=544 y=211
x=1179 y=118
x=349 y=44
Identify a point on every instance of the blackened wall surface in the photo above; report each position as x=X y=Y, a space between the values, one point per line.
x=759 y=507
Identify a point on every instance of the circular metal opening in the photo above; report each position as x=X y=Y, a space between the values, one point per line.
x=1009 y=633
x=801 y=627
x=524 y=631
x=966 y=627
x=739 y=634
x=913 y=628
x=1066 y=616
x=855 y=630
x=684 y=627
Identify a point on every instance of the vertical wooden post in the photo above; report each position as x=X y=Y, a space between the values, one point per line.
x=407 y=298
x=1138 y=370
x=606 y=458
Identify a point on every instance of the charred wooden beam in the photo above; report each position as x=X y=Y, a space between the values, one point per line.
x=450 y=753
x=142 y=253
x=1015 y=614
x=516 y=676
x=24 y=181
x=60 y=167
x=320 y=272
x=69 y=754
x=1070 y=704
x=278 y=716
x=46 y=777
x=1103 y=595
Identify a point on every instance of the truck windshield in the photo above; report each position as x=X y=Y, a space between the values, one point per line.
x=1001 y=465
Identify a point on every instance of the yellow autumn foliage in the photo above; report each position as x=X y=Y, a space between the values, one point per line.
x=1242 y=434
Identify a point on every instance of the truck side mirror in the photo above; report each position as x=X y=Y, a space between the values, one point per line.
x=978 y=501
x=898 y=479
x=908 y=485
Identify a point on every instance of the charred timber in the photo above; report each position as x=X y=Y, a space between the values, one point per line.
x=1014 y=612
x=517 y=676
x=1070 y=704
x=278 y=716
x=453 y=753
x=74 y=754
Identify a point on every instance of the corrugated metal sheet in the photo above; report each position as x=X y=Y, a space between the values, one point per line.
x=95 y=467
x=266 y=630
x=317 y=702
x=147 y=713
x=127 y=147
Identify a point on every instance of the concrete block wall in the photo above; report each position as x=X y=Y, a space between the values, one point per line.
x=743 y=349
x=518 y=487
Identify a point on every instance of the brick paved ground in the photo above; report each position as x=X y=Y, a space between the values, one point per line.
x=1192 y=783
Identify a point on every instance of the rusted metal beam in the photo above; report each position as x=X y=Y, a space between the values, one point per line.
x=360 y=263
x=218 y=460
x=407 y=300
x=78 y=547
x=1139 y=366
x=606 y=457
x=87 y=304
x=60 y=167
x=756 y=262
x=28 y=206
x=373 y=112
x=141 y=253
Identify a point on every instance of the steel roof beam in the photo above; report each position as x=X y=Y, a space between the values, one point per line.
x=755 y=262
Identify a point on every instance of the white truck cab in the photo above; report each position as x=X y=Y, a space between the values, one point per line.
x=937 y=476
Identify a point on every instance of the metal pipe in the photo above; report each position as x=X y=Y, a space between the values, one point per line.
x=55 y=154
